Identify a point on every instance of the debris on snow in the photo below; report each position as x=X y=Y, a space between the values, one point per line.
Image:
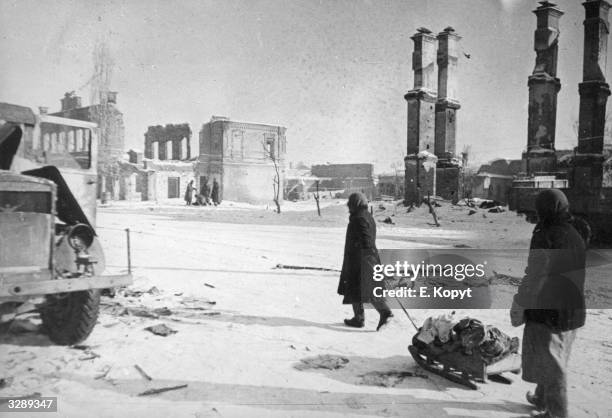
x=323 y=361
x=161 y=390
x=161 y=329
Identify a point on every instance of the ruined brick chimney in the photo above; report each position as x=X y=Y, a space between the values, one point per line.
x=447 y=103
x=422 y=98
x=420 y=161
x=593 y=90
x=108 y=97
x=71 y=101
x=543 y=89
x=543 y=83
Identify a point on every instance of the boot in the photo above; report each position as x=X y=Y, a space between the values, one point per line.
x=535 y=400
x=385 y=317
x=354 y=322
x=358 y=318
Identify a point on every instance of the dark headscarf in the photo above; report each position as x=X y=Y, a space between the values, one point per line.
x=357 y=201
x=552 y=206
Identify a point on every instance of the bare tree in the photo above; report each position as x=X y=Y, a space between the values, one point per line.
x=316 y=196
x=270 y=153
x=465 y=173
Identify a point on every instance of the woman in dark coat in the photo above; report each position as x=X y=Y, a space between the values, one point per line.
x=550 y=301
x=214 y=195
x=189 y=193
x=360 y=253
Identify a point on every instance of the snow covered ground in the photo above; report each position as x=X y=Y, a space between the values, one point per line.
x=242 y=324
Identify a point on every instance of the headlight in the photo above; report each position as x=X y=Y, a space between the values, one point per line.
x=80 y=237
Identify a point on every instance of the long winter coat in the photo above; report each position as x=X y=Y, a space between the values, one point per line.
x=214 y=195
x=189 y=193
x=554 y=282
x=553 y=287
x=360 y=255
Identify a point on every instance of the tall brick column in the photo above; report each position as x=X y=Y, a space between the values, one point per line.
x=543 y=89
x=420 y=178
x=587 y=176
x=447 y=103
x=594 y=90
x=449 y=172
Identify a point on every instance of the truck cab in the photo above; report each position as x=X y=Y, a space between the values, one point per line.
x=51 y=259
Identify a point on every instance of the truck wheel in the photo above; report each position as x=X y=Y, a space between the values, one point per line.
x=70 y=318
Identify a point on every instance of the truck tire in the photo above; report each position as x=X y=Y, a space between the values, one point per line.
x=69 y=319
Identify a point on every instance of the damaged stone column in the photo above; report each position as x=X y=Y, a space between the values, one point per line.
x=543 y=89
x=594 y=90
x=420 y=179
x=449 y=172
x=588 y=176
x=447 y=104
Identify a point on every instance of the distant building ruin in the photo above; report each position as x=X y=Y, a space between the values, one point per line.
x=494 y=180
x=344 y=179
x=431 y=165
x=111 y=135
x=243 y=157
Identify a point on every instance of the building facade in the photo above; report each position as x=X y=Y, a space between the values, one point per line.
x=111 y=136
x=247 y=159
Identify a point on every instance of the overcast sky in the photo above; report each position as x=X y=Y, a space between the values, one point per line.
x=333 y=72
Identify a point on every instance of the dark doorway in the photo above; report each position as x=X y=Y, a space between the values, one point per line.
x=174 y=184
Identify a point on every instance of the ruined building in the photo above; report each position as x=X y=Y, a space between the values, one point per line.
x=585 y=175
x=431 y=164
x=163 y=170
x=111 y=134
x=245 y=158
x=344 y=179
x=168 y=161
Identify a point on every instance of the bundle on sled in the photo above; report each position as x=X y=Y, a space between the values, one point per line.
x=465 y=351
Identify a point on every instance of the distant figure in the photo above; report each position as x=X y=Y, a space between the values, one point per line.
x=360 y=250
x=204 y=192
x=214 y=195
x=550 y=302
x=189 y=193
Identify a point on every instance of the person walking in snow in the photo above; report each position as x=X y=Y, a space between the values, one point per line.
x=360 y=252
x=550 y=302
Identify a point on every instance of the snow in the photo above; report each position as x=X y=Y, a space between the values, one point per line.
x=240 y=360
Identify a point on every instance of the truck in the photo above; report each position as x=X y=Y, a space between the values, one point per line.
x=51 y=258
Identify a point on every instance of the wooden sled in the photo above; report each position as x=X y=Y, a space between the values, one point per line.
x=466 y=369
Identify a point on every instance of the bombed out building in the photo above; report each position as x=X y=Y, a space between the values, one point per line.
x=432 y=167
x=242 y=157
x=245 y=158
x=111 y=136
x=165 y=167
x=344 y=179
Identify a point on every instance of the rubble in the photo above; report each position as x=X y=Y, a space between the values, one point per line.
x=104 y=372
x=20 y=326
x=323 y=361
x=161 y=390
x=5 y=382
x=142 y=372
x=161 y=329
x=388 y=379
x=285 y=266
